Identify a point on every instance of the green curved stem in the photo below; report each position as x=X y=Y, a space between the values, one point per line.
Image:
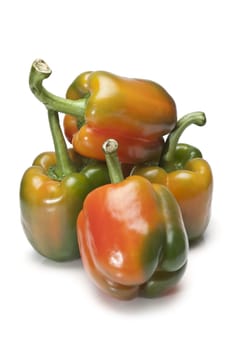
x=40 y=71
x=110 y=148
x=197 y=118
x=64 y=165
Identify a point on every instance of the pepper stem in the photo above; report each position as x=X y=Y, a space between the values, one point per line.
x=64 y=165
x=110 y=148
x=197 y=118
x=40 y=71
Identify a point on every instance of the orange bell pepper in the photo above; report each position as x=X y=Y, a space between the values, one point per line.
x=131 y=235
x=136 y=112
x=187 y=175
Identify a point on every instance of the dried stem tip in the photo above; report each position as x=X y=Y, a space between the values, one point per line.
x=110 y=146
x=41 y=66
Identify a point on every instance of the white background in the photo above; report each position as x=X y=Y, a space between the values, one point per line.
x=186 y=46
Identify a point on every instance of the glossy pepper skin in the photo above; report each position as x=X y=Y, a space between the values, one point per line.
x=189 y=178
x=132 y=238
x=49 y=209
x=136 y=112
x=53 y=189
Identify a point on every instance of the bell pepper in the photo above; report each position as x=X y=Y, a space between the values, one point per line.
x=51 y=196
x=131 y=235
x=52 y=192
x=136 y=112
x=49 y=209
x=187 y=175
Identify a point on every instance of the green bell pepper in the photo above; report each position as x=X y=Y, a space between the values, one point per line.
x=52 y=192
x=187 y=175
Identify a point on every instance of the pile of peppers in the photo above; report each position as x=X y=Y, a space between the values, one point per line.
x=126 y=197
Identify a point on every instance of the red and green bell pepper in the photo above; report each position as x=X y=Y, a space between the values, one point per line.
x=136 y=112
x=131 y=235
x=52 y=192
x=187 y=175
